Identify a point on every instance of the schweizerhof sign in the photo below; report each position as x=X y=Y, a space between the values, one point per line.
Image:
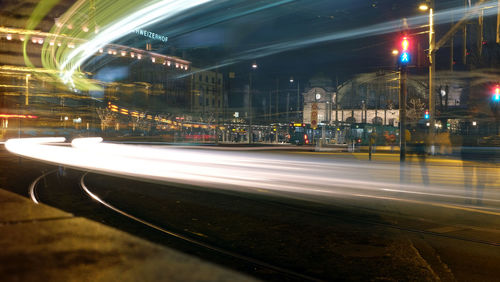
x=151 y=35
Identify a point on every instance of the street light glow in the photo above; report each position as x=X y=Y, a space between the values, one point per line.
x=423 y=7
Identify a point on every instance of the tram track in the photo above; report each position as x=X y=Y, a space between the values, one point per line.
x=288 y=275
x=168 y=231
x=34 y=197
x=199 y=243
x=316 y=212
x=33 y=185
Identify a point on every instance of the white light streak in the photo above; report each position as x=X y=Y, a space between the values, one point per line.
x=442 y=17
x=216 y=169
x=140 y=19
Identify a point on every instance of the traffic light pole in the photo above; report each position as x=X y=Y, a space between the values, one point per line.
x=432 y=70
x=403 y=75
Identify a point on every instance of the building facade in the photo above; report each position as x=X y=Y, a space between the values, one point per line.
x=207 y=93
x=361 y=100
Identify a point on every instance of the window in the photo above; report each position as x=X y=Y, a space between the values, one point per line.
x=377 y=120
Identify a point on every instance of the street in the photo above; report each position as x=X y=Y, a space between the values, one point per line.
x=318 y=224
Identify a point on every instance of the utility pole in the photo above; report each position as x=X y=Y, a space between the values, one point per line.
x=498 y=22
x=403 y=75
x=277 y=99
x=336 y=98
x=452 y=48
x=287 y=105
x=217 y=105
x=250 y=109
x=480 y=22
x=298 y=99
x=270 y=106
x=464 y=39
x=250 y=133
x=432 y=70
x=26 y=101
x=404 y=60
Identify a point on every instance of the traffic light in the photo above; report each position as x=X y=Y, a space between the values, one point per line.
x=426 y=115
x=405 y=57
x=496 y=93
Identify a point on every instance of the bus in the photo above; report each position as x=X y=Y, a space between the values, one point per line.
x=297 y=134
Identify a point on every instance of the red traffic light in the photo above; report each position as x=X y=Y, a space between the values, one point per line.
x=405 y=44
x=404 y=49
x=496 y=94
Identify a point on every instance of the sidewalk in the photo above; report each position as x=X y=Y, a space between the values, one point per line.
x=41 y=243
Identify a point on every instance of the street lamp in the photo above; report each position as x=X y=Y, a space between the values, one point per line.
x=429 y=5
x=423 y=7
x=250 y=137
x=298 y=97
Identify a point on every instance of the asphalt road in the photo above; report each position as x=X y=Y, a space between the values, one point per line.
x=374 y=227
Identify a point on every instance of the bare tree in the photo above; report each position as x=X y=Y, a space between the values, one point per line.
x=107 y=117
x=415 y=110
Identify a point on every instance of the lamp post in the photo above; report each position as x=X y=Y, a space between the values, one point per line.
x=254 y=67
x=288 y=99
x=26 y=101
x=432 y=67
x=298 y=97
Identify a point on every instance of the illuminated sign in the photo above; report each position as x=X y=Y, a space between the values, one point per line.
x=151 y=35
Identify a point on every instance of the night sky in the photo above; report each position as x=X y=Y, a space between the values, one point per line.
x=227 y=33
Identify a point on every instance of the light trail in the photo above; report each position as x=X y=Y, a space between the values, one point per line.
x=238 y=9
x=443 y=17
x=298 y=176
x=148 y=15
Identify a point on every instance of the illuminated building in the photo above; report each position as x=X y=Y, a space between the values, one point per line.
x=367 y=98
x=207 y=92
